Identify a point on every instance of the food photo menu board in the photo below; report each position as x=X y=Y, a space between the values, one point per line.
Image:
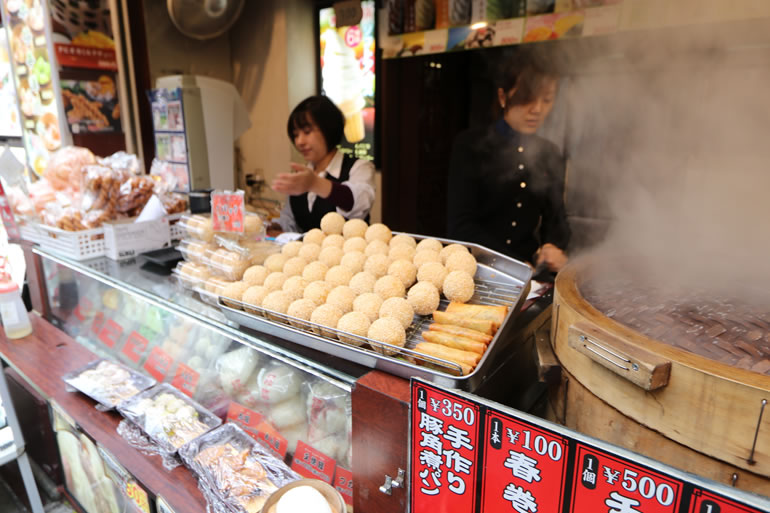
x=26 y=25
x=10 y=124
x=348 y=76
x=473 y=456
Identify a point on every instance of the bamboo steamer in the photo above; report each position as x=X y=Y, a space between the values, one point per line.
x=692 y=412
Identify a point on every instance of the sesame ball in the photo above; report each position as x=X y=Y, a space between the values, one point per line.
x=331 y=256
x=369 y=304
x=458 y=286
x=300 y=309
x=354 y=228
x=398 y=308
x=342 y=297
x=431 y=244
x=291 y=249
x=404 y=270
x=461 y=261
x=277 y=301
x=234 y=291
x=275 y=281
x=403 y=239
x=310 y=251
x=355 y=323
x=424 y=298
x=334 y=240
x=448 y=250
x=254 y=296
x=363 y=282
x=314 y=236
x=401 y=252
x=332 y=223
x=315 y=271
x=389 y=286
x=255 y=275
x=354 y=261
x=354 y=244
x=326 y=315
x=434 y=273
x=295 y=286
x=338 y=275
x=274 y=263
x=317 y=291
x=294 y=266
x=423 y=256
x=377 y=265
x=376 y=247
x=388 y=330
x=378 y=231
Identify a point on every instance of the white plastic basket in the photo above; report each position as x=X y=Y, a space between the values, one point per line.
x=30 y=233
x=80 y=245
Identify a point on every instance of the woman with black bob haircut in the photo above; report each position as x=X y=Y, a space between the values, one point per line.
x=331 y=181
x=506 y=184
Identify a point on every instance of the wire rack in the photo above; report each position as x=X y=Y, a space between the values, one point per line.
x=486 y=293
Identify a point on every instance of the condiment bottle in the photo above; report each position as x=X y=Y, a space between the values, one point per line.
x=14 y=315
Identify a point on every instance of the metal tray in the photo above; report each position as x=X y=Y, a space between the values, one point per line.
x=98 y=393
x=500 y=280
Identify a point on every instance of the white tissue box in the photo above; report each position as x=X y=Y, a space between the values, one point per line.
x=126 y=239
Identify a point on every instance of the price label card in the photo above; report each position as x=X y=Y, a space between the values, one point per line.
x=525 y=466
x=185 y=379
x=314 y=464
x=703 y=501
x=343 y=482
x=83 y=309
x=603 y=482
x=244 y=417
x=110 y=333
x=138 y=496
x=227 y=211
x=270 y=436
x=158 y=364
x=445 y=446
x=135 y=346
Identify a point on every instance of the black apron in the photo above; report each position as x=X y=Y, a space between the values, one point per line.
x=309 y=219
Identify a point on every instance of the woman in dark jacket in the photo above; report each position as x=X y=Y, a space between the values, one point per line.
x=506 y=184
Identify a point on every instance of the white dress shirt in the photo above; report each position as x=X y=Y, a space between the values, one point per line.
x=360 y=183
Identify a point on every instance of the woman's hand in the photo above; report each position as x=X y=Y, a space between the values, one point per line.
x=302 y=180
x=553 y=257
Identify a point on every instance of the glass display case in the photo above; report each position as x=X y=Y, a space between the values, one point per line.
x=283 y=395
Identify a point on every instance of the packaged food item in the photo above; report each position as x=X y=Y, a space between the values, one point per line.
x=227 y=264
x=173 y=203
x=234 y=470
x=191 y=275
x=168 y=417
x=64 y=167
x=125 y=163
x=235 y=368
x=134 y=195
x=255 y=251
x=108 y=383
x=198 y=227
x=278 y=383
x=328 y=408
x=194 y=250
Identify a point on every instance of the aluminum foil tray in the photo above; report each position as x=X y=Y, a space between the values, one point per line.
x=500 y=280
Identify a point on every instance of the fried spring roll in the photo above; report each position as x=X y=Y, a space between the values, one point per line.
x=482 y=325
x=462 y=332
x=495 y=314
x=454 y=341
x=464 y=359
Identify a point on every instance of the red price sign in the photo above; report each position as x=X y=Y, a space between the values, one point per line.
x=96 y=326
x=227 y=211
x=525 y=466
x=135 y=346
x=83 y=309
x=445 y=438
x=185 y=379
x=244 y=417
x=7 y=217
x=606 y=483
x=270 y=436
x=343 y=482
x=311 y=463
x=707 y=502
x=158 y=364
x=110 y=333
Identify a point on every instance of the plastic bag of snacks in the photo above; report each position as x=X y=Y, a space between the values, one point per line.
x=235 y=473
x=64 y=167
x=134 y=194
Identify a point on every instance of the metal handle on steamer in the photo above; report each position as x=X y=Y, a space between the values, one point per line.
x=390 y=483
x=639 y=366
